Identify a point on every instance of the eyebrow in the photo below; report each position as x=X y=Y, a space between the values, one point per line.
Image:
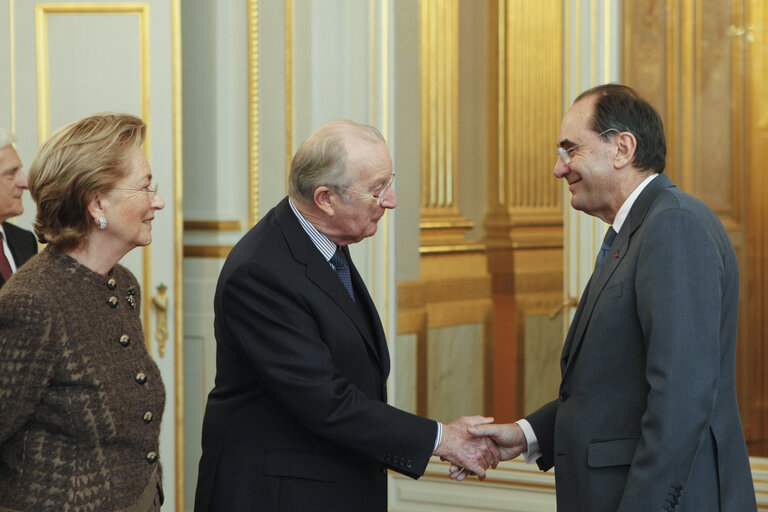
x=566 y=142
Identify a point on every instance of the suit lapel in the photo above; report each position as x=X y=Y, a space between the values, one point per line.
x=20 y=251
x=376 y=337
x=597 y=282
x=322 y=275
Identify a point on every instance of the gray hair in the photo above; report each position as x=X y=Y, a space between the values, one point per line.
x=6 y=138
x=322 y=158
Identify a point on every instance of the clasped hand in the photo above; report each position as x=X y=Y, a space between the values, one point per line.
x=473 y=444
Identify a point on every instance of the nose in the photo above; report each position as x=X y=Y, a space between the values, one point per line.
x=561 y=168
x=21 y=180
x=157 y=202
x=389 y=199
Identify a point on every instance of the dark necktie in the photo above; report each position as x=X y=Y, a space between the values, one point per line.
x=610 y=235
x=342 y=270
x=5 y=266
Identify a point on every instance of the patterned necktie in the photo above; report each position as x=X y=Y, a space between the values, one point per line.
x=5 y=266
x=610 y=235
x=342 y=270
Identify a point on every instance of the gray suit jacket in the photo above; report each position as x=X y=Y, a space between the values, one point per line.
x=647 y=417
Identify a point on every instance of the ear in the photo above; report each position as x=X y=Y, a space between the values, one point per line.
x=324 y=199
x=626 y=144
x=96 y=207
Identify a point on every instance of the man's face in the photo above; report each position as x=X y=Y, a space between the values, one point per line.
x=591 y=176
x=12 y=184
x=358 y=218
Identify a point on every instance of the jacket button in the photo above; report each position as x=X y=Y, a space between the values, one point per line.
x=408 y=464
x=151 y=457
x=112 y=301
x=125 y=340
x=388 y=459
x=147 y=417
x=111 y=284
x=141 y=378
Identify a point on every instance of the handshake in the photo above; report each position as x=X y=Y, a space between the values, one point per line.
x=472 y=444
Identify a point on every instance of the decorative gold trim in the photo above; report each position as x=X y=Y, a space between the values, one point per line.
x=178 y=253
x=607 y=46
x=253 y=109
x=452 y=248
x=501 y=73
x=207 y=251
x=288 y=87
x=213 y=225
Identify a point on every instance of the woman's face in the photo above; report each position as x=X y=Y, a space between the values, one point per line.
x=132 y=203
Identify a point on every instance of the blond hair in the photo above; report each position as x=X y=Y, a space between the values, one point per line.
x=72 y=166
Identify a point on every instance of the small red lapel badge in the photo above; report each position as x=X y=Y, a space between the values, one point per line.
x=616 y=255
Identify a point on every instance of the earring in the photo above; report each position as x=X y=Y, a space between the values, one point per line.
x=102 y=223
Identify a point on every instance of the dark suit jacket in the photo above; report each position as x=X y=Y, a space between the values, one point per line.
x=647 y=418
x=298 y=420
x=22 y=243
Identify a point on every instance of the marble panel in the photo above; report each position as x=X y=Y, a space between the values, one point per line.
x=404 y=373
x=455 y=371
x=543 y=345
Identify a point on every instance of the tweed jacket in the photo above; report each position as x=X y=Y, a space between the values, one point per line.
x=80 y=398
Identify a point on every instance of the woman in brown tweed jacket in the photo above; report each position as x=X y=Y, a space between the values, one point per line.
x=80 y=399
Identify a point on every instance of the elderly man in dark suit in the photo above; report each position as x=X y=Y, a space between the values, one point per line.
x=298 y=419
x=18 y=244
x=646 y=418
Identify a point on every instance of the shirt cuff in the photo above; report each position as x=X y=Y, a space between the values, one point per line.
x=439 y=435
x=533 y=453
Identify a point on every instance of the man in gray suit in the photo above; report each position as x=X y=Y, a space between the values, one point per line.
x=646 y=419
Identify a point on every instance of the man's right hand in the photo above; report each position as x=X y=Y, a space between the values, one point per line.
x=509 y=438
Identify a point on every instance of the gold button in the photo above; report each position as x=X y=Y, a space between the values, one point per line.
x=112 y=301
x=111 y=284
x=125 y=340
x=147 y=417
x=141 y=378
x=151 y=457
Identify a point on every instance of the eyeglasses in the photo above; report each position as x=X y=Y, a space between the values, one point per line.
x=378 y=193
x=152 y=191
x=565 y=154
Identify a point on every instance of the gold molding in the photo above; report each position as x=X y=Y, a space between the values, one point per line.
x=253 y=109
x=178 y=253
x=213 y=225
x=207 y=251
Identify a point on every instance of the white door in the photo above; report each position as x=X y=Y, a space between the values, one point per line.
x=62 y=61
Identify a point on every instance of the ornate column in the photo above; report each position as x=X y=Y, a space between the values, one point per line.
x=524 y=223
x=441 y=223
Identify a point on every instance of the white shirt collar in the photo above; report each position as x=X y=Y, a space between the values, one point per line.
x=621 y=216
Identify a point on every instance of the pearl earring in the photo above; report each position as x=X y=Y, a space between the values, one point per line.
x=102 y=223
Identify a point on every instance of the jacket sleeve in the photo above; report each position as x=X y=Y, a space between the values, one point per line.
x=29 y=349
x=679 y=285
x=278 y=334
x=543 y=423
